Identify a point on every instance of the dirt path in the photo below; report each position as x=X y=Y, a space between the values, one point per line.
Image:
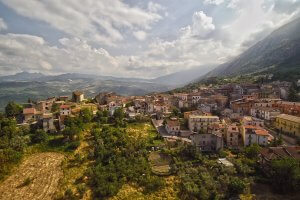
x=43 y=171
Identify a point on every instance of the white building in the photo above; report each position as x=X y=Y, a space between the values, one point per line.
x=65 y=110
x=173 y=126
x=254 y=135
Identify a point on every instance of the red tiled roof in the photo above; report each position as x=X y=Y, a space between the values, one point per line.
x=64 y=107
x=250 y=127
x=173 y=123
x=262 y=132
x=279 y=152
x=29 y=111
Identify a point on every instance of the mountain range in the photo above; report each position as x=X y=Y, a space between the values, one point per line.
x=22 y=86
x=277 y=54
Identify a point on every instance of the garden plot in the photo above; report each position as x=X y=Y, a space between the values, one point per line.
x=160 y=163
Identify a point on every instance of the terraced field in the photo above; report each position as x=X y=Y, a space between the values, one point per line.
x=36 y=178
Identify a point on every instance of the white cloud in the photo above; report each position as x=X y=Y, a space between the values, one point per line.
x=233 y=4
x=155 y=7
x=95 y=21
x=140 y=35
x=214 y=2
x=209 y=36
x=25 y=52
x=202 y=24
x=3 y=25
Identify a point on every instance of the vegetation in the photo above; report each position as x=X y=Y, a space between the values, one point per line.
x=202 y=177
x=119 y=160
x=285 y=175
x=13 y=109
x=13 y=141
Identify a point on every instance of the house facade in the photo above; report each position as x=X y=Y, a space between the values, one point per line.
x=207 y=142
x=198 y=123
x=233 y=136
x=254 y=135
x=173 y=126
x=288 y=124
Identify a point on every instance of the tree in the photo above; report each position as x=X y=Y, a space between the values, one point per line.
x=285 y=175
x=13 y=109
x=119 y=114
x=71 y=132
x=86 y=115
x=55 y=108
x=252 y=151
x=175 y=112
x=39 y=136
x=236 y=186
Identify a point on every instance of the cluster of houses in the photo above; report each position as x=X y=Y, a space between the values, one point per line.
x=231 y=115
x=50 y=114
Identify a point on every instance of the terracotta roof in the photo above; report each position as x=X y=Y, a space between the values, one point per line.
x=250 y=127
x=64 y=107
x=173 y=123
x=279 y=152
x=204 y=116
x=262 y=132
x=289 y=103
x=29 y=111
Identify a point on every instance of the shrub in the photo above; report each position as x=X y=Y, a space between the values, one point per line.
x=236 y=186
x=73 y=145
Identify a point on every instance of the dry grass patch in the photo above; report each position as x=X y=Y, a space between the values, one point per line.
x=131 y=191
x=36 y=178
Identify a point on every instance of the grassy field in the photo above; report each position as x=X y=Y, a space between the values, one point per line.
x=144 y=131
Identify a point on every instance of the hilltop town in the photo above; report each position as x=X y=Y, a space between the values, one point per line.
x=246 y=128
x=211 y=118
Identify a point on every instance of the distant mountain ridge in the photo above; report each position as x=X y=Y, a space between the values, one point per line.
x=183 y=77
x=278 y=52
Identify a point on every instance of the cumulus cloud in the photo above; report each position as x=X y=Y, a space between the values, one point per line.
x=214 y=2
x=204 y=37
x=3 y=25
x=202 y=25
x=140 y=35
x=25 y=52
x=95 y=21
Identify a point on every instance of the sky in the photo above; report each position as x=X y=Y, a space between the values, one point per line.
x=132 y=38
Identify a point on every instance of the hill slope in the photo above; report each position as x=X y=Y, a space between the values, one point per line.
x=278 y=52
x=183 y=77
